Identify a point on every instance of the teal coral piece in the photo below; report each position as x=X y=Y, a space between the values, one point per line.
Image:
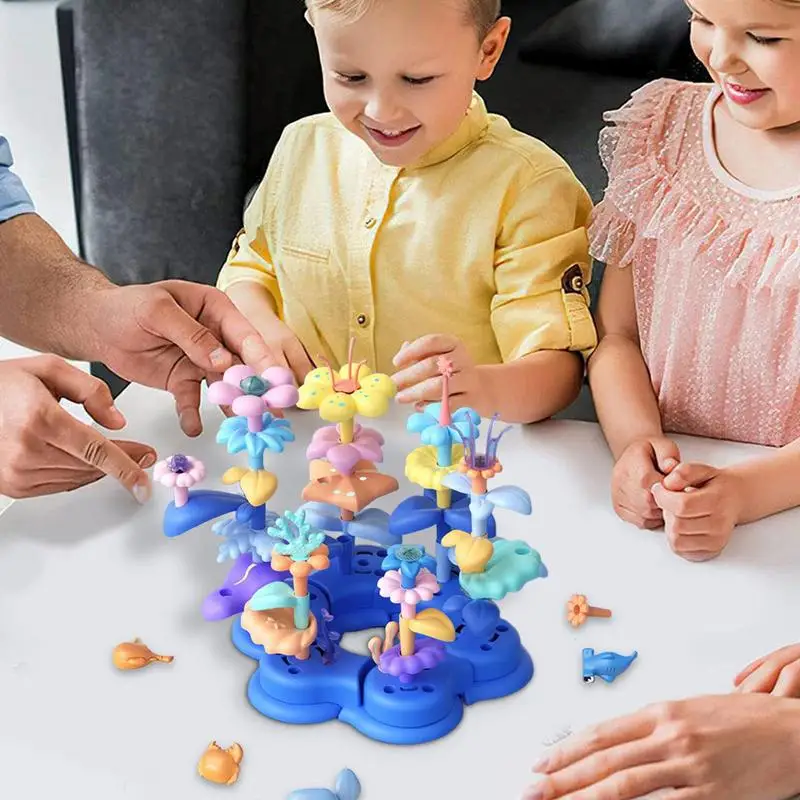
x=512 y=565
x=300 y=538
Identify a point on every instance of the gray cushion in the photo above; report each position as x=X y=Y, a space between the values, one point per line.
x=642 y=38
x=161 y=130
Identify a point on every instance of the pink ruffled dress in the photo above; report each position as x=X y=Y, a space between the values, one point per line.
x=716 y=269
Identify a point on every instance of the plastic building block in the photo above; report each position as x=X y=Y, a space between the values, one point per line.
x=135 y=655
x=607 y=666
x=347 y=788
x=220 y=765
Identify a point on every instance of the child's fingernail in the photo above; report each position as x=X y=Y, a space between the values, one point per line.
x=533 y=794
x=541 y=764
x=670 y=463
x=219 y=357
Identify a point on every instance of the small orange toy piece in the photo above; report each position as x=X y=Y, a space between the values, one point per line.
x=220 y=765
x=579 y=610
x=135 y=655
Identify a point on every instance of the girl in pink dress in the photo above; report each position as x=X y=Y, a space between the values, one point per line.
x=699 y=312
x=699 y=323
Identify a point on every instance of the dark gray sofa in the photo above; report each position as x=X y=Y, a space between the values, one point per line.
x=174 y=107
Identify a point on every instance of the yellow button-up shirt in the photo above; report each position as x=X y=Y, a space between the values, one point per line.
x=484 y=238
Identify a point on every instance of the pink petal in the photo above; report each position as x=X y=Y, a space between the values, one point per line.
x=160 y=470
x=248 y=405
x=424 y=593
x=281 y=396
x=411 y=597
x=317 y=450
x=198 y=471
x=168 y=480
x=344 y=457
x=369 y=434
x=235 y=375
x=185 y=480
x=223 y=394
x=370 y=451
x=398 y=596
x=278 y=376
x=427 y=580
x=328 y=434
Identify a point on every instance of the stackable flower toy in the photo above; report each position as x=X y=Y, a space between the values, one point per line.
x=303 y=579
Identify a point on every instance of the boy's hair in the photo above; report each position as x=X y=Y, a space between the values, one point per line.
x=482 y=13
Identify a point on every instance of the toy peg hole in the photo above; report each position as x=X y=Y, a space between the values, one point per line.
x=225 y=592
x=379 y=573
x=363 y=562
x=460 y=628
x=486 y=648
x=381 y=553
x=428 y=689
x=294 y=671
x=286 y=661
x=495 y=637
x=409 y=688
x=502 y=629
x=522 y=551
x=388 y=689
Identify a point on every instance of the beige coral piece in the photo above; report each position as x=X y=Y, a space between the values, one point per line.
x=274 y=630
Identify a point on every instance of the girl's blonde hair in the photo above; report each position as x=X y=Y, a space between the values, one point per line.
x=481 y=13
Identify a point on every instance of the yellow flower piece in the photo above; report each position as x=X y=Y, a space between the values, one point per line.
x=341 y=395
x=423 y=470
x=258 y=485
x=472 y=553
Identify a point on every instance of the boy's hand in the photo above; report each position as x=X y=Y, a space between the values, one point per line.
x=701 y=509
x=777 y=673
x=286 y=349
x=643 y=463
x=418 y=379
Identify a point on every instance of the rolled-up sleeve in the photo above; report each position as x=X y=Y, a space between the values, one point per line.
x=14 y=198
x=543 y=268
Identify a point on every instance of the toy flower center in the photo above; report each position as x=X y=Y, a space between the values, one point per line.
x=254 y=385
x=179 y=463
x=410 y=554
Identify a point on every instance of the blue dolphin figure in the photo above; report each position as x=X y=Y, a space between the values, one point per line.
x=347 y=788
x=607 y=666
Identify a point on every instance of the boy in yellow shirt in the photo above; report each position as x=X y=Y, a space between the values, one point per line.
x=415 y=222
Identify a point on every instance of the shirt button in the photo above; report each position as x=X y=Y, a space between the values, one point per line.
x=362 y=320
x=370 y=222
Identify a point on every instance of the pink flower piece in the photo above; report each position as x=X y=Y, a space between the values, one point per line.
x=179 y=472
x=391 y=586
x=250 y=395
x=367 y=441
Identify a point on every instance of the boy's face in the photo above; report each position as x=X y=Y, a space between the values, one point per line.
x=401 y=76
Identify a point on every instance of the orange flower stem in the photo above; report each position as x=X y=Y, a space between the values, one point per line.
x=599 y=612
x=348 y=544
x=407 y=638
x=346 y=431
x=479 y=485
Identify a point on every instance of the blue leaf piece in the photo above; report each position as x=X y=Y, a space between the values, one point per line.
x=416 y=513
x=480 y=616
x=203 y=506
x=324 y=516
x=274 y=595
x=510 y=497
x=458 y=482
x=455 y=604
x=347 y=785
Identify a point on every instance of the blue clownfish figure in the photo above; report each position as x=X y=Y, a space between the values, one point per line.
x=606 y=666
x=347 y=788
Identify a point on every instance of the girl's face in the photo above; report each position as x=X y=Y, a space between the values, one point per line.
x=751 y=48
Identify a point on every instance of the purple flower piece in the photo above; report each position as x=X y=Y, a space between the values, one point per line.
x=428 y=654
x=367 y=442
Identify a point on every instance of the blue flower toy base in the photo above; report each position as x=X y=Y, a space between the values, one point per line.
x=477 y=667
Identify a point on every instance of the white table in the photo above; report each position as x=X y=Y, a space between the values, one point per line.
x=82 y=572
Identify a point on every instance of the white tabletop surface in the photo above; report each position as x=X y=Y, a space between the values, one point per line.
x=84 y=571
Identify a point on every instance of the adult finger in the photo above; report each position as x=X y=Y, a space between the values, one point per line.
x=784 y=655
x=765 y=676
x=788 y=683
x=620 y=784
x=186 y=392
x=601 y=737
x=90 y=446
x=686 y=475
x=170 y=321
x=749 y=670
x=66 y=381
x=434 y=344
x=299 y=361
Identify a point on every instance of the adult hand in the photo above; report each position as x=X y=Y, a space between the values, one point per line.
x=777 y=673
x=44 y=449
x=418 y=378
x=642 y=464
x=287 y=349
x=172 y=335
x=701 y=509
x=736 y=747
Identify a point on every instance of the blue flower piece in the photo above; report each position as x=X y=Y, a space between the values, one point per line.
x=299 y=538
x=275 y=433
x=410 y=559
x=427 y=423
